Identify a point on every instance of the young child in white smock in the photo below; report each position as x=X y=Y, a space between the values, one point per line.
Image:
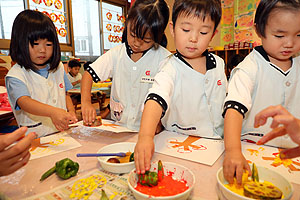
x=132 y=65
x=268 y=76
x=189 y=91
x=37 y=83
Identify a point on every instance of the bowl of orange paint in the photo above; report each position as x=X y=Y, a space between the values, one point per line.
x=177 y=184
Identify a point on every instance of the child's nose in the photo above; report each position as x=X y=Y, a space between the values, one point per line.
x=42 y=48
x=289 y=42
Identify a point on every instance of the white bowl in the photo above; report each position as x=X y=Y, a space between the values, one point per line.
x=180 y=172
x=264 y=174
x=116 y=148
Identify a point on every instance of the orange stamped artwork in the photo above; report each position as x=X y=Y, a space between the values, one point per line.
x=187 y=145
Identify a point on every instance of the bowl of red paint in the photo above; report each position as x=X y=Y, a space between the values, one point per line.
x=177 y=184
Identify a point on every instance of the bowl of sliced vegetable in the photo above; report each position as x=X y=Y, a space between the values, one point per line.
x=263 y=184
x=118 y=164
x=164 y=181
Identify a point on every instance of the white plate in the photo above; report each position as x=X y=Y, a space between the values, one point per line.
x=116 y=148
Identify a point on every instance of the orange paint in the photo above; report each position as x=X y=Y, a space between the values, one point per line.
x=166 y=187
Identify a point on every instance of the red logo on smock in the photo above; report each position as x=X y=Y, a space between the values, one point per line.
x=61 y=85
x=219 y=82
x=148 y=73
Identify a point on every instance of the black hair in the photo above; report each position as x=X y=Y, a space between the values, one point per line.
x=265 y=7
x=28 y=27
x=148 y=15
x=74 y=63
x=198 y=8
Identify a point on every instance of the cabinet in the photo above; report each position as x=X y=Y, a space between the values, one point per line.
x=228 y=53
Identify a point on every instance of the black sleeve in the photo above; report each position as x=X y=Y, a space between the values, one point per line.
x=235 y=105
x=160 y=101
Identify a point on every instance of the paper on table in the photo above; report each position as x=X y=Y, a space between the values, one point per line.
x=52 y=144
x=107 y=125
x=197 y=149
x=269 y=157
x=89 y=187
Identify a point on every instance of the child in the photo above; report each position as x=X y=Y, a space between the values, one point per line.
x=132 y=64
x=189 y=91
x=267 y=76
x=15 y=156
x=37 y=83
x=290 y=126
x=74 y=76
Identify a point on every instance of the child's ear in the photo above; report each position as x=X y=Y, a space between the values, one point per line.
x=171 y=27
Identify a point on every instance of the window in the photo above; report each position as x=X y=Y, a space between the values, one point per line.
x=9 y=9
x=86 y=28
x=113 y=25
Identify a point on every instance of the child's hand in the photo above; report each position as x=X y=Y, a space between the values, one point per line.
x=74 y=120
x=88 y=113
x=14 y=157
x=234 y=165
x=61 y=119
x=143 y=153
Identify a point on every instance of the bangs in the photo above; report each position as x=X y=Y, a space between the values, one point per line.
x=41 y=31
x=140 y=27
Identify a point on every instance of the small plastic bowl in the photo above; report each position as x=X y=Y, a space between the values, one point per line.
x=116 y=148
x=264 y=174
x=180 y=172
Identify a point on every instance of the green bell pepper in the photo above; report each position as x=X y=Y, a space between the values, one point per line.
x=103 y=195
x=64 y=168
x=148 y=179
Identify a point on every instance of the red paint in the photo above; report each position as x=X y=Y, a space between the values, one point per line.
x=167 y=187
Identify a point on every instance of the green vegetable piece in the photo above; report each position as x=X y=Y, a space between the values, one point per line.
x=48 y=173
x=131 y=158
x=160 y=171
x=254 y=173
x=152 y=179
x=103 y=195
x=66 y=168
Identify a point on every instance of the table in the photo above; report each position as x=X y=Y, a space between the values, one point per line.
x=29 y=184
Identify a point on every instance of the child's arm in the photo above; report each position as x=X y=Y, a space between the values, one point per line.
x=88 y=111
x=76 y=82
x=234 y=161
x=144 y=148
x=70 y=108
x=59 y=117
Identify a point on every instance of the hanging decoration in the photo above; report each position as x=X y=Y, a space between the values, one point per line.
x=108 y=27
x=37 y=1
x=46 y=13
x=58 y=4
x=48 y=2
x=62 y=19
x=121 y=18
x=53 y=17
x=109 y=15
x=62 y=32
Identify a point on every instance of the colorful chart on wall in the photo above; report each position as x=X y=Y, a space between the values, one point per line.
x=243 y=6
x=244 y=35
x=52 y=144
x=197 y=149
x=269 y=157
x=90 y=186
x=227 y=3
x=107 y=125
x=227 y=35
x=227 y=17
x=244 y=20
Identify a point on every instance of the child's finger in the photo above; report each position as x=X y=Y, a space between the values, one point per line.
x=239 y=174
x=12 y=137
x=290 y=153
x=148 y=156
x=228 y=172
x=137 y=162
x=18 y=164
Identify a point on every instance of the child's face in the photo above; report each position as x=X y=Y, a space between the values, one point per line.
x=138 y=45
x=282 y=36
x=74 y=70
x=192 y=35
x=40 y=52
